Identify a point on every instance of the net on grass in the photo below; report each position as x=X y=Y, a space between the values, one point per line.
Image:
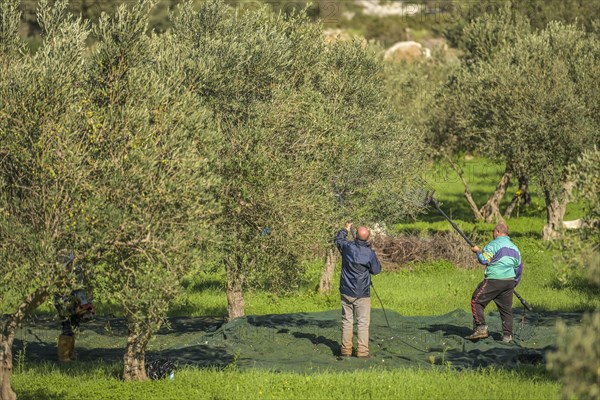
x=305 y=342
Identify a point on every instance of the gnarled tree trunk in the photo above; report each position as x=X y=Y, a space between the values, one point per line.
x=467 y=193
x=235 y=286
x=522 y=197
x=134 y=367
x=325 y=284
x=555 y=210
x=8 y=336
x=6 y=364
x=491 y=210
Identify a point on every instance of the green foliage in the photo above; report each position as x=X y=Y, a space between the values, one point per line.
x=250 y=70
x=45 y=181
x=10 y=44
x=487 y=34
x=372 y=183
x=586 y=175
x=529 y=105
x=292 y=136
x=579 y=263
x=539 y=12
x=154 y=143
x=106 y=155
x=531 y=97
x=576 y=360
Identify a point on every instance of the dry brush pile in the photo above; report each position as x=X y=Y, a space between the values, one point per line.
x=398 y=252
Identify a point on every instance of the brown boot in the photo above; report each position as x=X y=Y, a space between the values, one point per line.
x=66 y=348
x=481 y=332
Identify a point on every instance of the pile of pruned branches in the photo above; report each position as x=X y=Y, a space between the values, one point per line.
x=397 y=252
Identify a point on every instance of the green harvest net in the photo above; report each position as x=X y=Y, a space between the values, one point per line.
x=308 y=342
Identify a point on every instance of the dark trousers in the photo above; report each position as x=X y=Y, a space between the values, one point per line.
x=499 y=290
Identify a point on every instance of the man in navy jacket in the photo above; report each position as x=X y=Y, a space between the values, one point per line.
x=359 y=262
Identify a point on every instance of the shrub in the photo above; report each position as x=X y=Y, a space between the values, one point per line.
x=577 y=359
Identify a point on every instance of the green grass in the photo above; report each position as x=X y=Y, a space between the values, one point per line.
x=482 y=176
x=48 y=382
x=428 y=288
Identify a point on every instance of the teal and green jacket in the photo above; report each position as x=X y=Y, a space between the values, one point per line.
x=502 y=259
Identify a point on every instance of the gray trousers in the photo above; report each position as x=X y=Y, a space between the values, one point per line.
x=361 y=307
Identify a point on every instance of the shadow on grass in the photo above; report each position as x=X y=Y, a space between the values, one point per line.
x=579 y=284
x=450 y=330
x=38 y=394
x=180 y=340
x=89 y=361
x=510 y=357
x=206 y=284
x=180 y=310
x=46 y=351
x=180 y=325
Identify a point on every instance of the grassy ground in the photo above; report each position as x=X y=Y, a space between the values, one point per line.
x=430 y=288
x=47 y=382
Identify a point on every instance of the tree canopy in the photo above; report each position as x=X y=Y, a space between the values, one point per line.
x=532 y=104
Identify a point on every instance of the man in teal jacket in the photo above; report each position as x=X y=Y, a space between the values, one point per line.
x=503 y=272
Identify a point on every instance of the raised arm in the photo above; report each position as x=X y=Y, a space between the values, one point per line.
x=340 y=239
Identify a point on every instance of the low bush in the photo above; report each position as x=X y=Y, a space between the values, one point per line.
x=577 y=360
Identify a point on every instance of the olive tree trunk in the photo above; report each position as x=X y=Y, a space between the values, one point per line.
x=134 y=367
x=235 y=286
x=9 y=330
x=521 y=197
x=325 y=284
x=467 y=192
x=555 y=210
x=491 y=210
x=6 y=363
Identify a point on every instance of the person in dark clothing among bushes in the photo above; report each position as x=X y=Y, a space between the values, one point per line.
x=503 y=271
x=359 y=262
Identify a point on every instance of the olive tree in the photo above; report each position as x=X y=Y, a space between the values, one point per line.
x=45 y=179
x=533 y=105
x=300 y=122
x=250 y=68
x=379 y=154
x=104 y=154
x=153 y=144
x=451 y=132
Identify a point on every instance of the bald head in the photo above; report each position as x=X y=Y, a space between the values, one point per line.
x=362 y=233
x=501 y=229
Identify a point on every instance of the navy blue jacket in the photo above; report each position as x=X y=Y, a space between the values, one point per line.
x=358 y=263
